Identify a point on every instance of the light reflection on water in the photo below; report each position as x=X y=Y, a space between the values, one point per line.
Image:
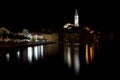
x=86 y=54
x=29 y=54
x=41 y=51
x=76 y=60
x=8 y=56
x=67 y=56
x=34 y=53
x=92 y=53
x=89 y=53
x=18 y=54
x=72 y=55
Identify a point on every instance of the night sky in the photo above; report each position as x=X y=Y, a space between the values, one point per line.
x=37 y=15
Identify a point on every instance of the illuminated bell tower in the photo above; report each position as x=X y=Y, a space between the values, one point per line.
x=76 y=19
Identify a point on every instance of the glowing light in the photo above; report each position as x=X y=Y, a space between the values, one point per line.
x=91 y=31
x=87 y=28
x=35 y=53
x=41 y=51
x=76 y=19
x=76 y=60
x=38 y=51
x=29 y=35
x=67 y=25
x=8 y=56
x=29 y=54
x=41 y=37
x=69 y=57
x=91 y=53
x=86 y=55
x=18 y=54
x=36 y=37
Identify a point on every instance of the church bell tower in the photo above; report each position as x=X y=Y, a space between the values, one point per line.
x=76 y=19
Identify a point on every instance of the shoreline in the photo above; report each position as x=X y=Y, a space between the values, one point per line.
x=24 y=44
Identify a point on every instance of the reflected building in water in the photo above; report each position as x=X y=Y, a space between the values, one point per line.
x=89 y=53
x=71 y=57
x=75 y=58
x=33 y=53
x=30 y=54
x=80 y=44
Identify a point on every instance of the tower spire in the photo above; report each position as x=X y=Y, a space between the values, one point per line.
x=76 y=19
x=76 y=13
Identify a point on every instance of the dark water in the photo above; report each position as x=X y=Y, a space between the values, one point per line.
x=61 y=61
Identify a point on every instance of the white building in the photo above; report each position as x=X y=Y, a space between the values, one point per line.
x=76 y=19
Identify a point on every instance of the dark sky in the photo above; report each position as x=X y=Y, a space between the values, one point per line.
x=37 y=15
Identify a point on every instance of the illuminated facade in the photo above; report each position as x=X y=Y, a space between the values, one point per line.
x=75 y=24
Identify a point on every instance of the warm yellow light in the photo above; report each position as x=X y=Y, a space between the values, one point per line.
x=91 y=31
x=87 y=28
x=91 y=54
x=86 y=55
